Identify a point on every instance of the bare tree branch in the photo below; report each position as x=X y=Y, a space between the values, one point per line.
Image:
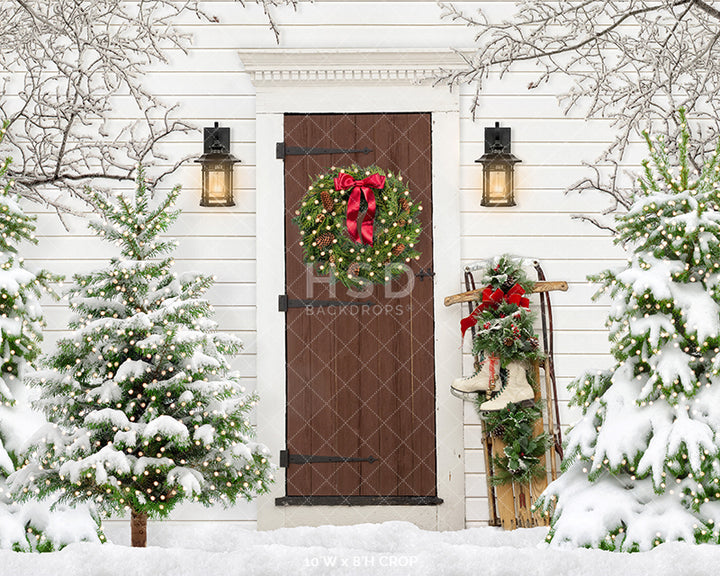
x=595 y=222
x=634 y=63
x=68 y=65
x=705 y=7
x=268 y=6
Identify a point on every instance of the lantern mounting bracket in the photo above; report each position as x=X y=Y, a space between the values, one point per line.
x=497 y=139
x=216 y=139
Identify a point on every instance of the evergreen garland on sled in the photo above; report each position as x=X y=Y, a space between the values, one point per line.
x=505 y=330
x=521 y=457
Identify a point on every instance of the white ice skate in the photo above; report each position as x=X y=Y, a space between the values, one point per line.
x=516 y=391
x=483 y=380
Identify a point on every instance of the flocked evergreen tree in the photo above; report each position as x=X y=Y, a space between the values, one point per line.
x=642 y=465
x=33 y=526
x=146 y=410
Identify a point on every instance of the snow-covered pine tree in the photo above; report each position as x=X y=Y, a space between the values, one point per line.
x=30 y=526
x=642 y=465
x=147 y=411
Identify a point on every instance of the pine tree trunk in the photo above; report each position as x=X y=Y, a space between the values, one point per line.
x=138 y=529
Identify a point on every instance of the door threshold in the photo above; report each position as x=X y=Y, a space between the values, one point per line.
x=358 y=501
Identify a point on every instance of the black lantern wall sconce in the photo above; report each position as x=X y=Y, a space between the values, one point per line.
x=498 y=168
x=217 y=168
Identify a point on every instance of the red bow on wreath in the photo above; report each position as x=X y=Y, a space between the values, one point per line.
x=491 y=299
x=361 y=187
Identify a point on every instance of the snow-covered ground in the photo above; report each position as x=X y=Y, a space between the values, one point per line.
x=367 y=549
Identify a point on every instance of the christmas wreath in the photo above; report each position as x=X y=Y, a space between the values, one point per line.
x=359 y=225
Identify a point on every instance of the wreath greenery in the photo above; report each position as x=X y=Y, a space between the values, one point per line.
x=329 y=246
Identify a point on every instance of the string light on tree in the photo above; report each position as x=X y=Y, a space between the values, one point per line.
x=25 y=527
x=151 y=413
x=643 y=452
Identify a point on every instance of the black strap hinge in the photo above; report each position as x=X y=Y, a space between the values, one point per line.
x=285 y=303
x=286 y=459
x=425 y=273
x=282 y=150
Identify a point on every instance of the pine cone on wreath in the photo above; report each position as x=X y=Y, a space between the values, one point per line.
x=353 y=269
x=508 y=342
x=327 y=202
x=498 y=431
x=402 y=222
x=325 y=239
x=399 y=249
x=404 y=204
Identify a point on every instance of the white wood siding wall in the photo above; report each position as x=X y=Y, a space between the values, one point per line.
x=209 y=86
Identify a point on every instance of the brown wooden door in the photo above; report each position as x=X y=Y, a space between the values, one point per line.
x=361 y=380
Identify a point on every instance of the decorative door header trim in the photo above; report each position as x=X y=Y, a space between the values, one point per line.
x=394 y=66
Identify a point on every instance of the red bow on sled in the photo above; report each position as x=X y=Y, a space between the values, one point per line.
x=361 y=187
x=491 y=299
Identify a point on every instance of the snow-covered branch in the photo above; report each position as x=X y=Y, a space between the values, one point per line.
x=633 y=62
x=72 y=67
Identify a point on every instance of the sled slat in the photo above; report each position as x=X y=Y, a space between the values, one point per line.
x=505 y=504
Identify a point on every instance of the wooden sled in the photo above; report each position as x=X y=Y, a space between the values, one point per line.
x=510 y=505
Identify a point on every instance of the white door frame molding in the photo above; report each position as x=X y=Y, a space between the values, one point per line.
x=346 y=81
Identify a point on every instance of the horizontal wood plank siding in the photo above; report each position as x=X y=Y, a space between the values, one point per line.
x=209 y=85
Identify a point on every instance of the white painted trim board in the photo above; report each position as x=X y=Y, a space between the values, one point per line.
x=273 y=101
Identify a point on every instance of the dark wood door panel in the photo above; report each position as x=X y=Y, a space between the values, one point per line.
x=360 y=381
